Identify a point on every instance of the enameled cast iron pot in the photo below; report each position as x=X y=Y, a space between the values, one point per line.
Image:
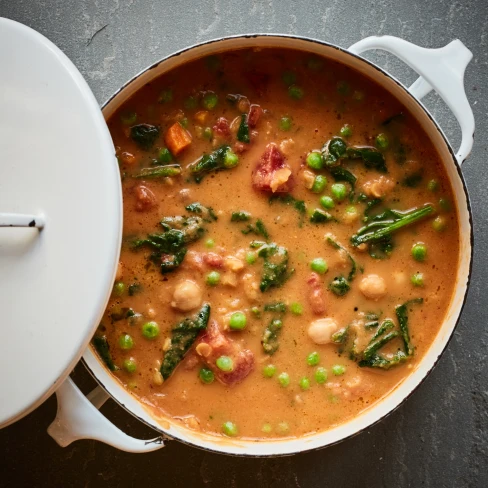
x=441 y=70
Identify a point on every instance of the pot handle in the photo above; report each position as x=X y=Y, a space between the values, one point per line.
x=439 y=69
x=78 y=418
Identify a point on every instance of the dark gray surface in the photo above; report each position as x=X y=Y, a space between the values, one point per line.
x=439 y=436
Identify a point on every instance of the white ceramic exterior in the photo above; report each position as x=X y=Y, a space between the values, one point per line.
x=441 y=70
x=54 y=282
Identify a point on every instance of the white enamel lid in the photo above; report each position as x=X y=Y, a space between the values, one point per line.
x=56 y=159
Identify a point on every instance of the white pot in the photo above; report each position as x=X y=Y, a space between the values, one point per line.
x=441 y=70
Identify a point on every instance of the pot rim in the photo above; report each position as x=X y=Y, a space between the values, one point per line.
x=381 y=71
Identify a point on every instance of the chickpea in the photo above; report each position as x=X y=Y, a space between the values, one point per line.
x=373 y=287
x=321 y=330
x=187 y=296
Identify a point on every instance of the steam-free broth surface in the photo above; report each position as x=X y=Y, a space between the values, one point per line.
x=295 y=317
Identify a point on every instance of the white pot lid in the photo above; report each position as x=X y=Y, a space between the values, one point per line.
x=56 y=159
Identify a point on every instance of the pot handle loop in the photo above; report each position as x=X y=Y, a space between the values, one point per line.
x=439 y=69
x=78 y=418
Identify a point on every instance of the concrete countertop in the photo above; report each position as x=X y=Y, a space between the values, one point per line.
x=439 y=437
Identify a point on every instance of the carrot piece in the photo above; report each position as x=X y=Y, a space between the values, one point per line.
x=177 y=138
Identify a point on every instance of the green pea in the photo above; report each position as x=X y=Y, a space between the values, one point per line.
x=206 y=376
x=266 y=429
x=166 y=96
x=433 y=185
x=327 y=202
x=284 y=379
x=343 y=88
x=315 y=160
x=251 y=257
x=313 y=358
x=225 y=363
x=229 y=429
x=439 y=224
x=231 y=159
x=319 y=184
x=314 y=64
x=126 y=342
x=269 y=370
x=320 y=375
x=150 y=330
x=190 y=103
x=304 y=383
x=358 y=95
x=119 y=288
x=382 y=141
x=319 y=265
x=184 y=122
x=346 y=131
x=417 y=279
x=213 y=278
x=237 y=321
x=164 y=156
x=209 y=243
x=338 y=369
x=419 y=251
x=295 y=92
x=296 y=308
x=208 y=133
x=351 y=211
x=339 y=191
x=285 y=123
x=445 y=204
x=289 y=78
x=210 y=100
x=128 y=118
x=129 y=365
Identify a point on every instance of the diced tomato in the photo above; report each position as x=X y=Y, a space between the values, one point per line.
x=222 y=127
x=220 y=345
x=145 y=198
x=316 y=297
x=255 y=112
x=272 y=174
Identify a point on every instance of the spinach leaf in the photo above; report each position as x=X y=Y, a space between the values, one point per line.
x=101 y=345
x=183 y=335
x=169 y=247
x=278 y=307
x=240 y=216
x=333 y=151
x=258 y=229
x=269 y=340
x=319 y=216
x=412 y=180
x=373 y=159
x=370 y=356
x=210 y=162
x=207 y=213
x=134 y=289
x=243 y=131
x=384 y=225
x=402 y=315
x=339 y=286
x=144 y=135
x=341 y=174
x=159 y=171
x=275 y=267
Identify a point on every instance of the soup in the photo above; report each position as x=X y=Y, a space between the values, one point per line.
x=289 y=245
